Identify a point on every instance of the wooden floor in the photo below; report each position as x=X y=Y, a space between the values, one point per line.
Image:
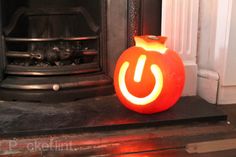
x=191 y=140
x=166 y=141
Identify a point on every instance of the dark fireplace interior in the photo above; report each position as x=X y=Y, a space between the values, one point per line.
x=54 y=50
x=57 y=50
x=47 y=34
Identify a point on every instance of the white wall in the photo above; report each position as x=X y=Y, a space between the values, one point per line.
x=206 y=36
x=227 y=88
x=217 y=51
x=208 y=77
x=230 y=71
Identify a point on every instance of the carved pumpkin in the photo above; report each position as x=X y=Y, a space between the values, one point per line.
x=148 y=77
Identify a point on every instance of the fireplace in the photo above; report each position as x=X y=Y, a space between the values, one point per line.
x=55 y=51
x=63 y=50
x=44 y=40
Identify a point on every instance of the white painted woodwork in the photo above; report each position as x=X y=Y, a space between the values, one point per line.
x=217 y=50
x=180 y=25
x=208 y=82
x=207 y=29
x=230 y=71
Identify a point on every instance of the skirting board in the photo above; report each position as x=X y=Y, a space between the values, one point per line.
x=190 y=88
x=207 y=83
x=207 y=89
x=210 y=88
x=227 y=95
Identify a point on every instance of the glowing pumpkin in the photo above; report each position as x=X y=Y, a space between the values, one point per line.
x=148 y=77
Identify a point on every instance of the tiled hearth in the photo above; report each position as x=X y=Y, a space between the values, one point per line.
x=100 y=113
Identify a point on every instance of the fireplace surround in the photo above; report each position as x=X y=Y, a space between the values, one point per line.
x=66 y=50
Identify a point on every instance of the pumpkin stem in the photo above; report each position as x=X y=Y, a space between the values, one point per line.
x=151 y=43
x=162 y=39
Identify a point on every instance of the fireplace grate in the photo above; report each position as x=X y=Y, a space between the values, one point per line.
x=50 y=49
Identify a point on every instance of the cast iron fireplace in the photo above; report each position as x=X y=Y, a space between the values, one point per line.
x=57 y=50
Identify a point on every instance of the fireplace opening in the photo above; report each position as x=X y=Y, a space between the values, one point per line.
x=43 y=39
x=54 y=47
x=64 y=50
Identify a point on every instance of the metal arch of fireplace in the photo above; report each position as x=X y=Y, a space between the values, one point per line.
x=49 y=66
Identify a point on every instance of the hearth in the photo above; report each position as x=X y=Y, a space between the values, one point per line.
x=58 y=50
x=94 y=114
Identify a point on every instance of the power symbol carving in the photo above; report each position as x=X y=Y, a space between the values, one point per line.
x=156 y=71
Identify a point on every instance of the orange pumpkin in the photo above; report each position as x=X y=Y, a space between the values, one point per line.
x=148 y=77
